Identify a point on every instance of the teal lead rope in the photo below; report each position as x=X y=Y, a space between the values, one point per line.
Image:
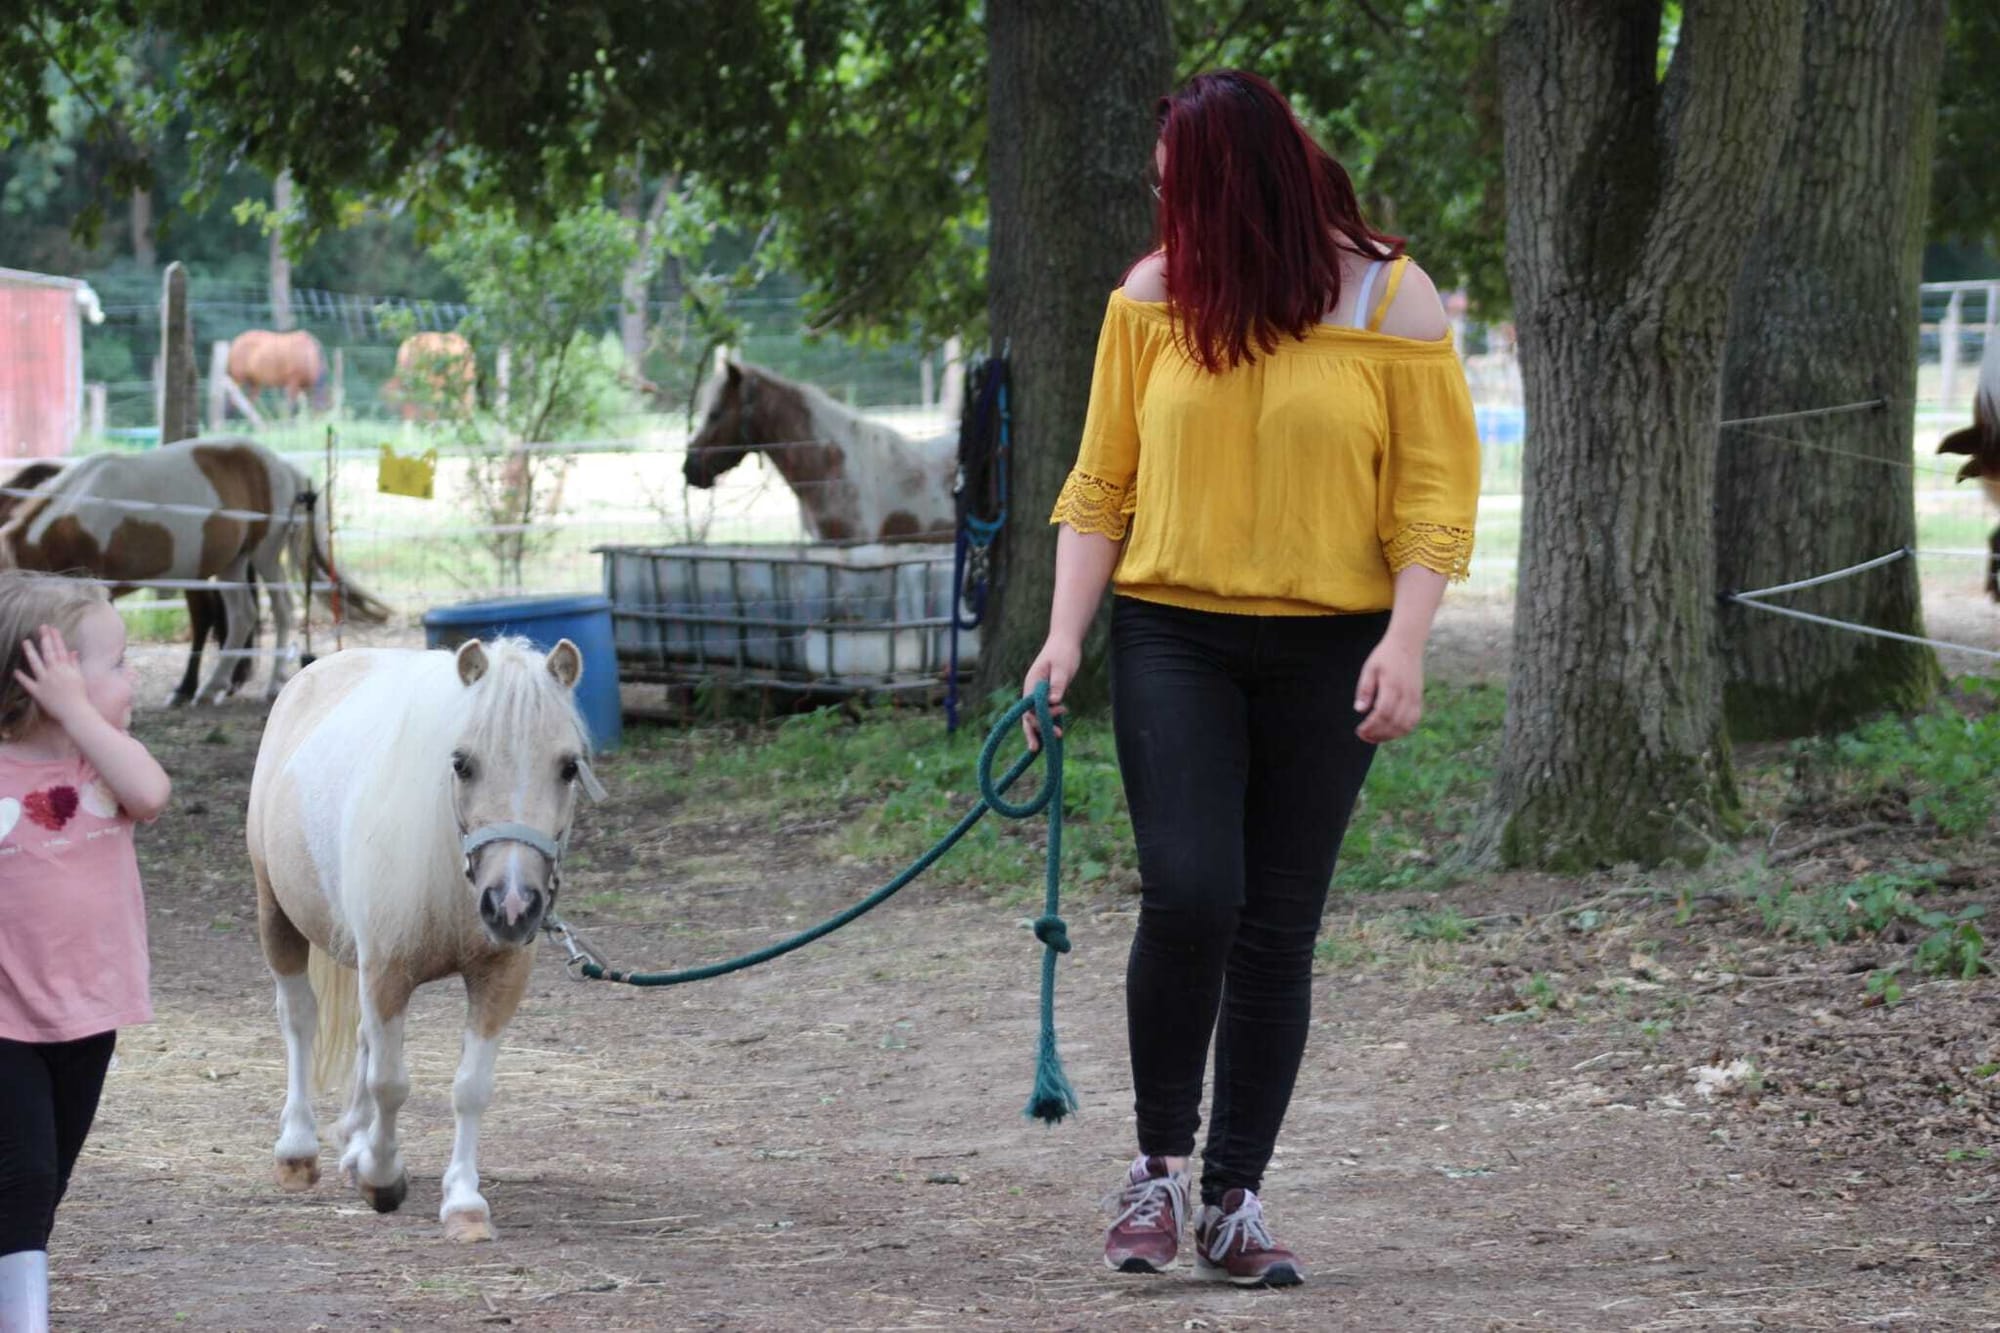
x=1053 y=1098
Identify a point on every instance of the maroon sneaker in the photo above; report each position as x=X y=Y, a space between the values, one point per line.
x=1231 y=1244
x=1152 y=1208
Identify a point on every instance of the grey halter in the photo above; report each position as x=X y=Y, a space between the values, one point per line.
x=534 y=838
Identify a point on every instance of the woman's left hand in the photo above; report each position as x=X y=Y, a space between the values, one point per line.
x=1391 y=692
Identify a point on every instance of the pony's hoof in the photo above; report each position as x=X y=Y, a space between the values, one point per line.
x=468 y=1227
x=387 y=1198
x=180 y=701
x=296 y=1175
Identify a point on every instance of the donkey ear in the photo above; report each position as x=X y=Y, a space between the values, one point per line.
x=1974 y=467
x=566 y=664
x=1965 y=441
x=471 y=661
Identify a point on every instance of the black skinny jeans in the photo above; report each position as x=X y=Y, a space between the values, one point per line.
x=1236 y=743
x=48 y=1097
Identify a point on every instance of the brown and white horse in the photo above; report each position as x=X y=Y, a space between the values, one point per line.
x=224 y=508
x=1982 y=441
x=855 y=479
x=407 y=821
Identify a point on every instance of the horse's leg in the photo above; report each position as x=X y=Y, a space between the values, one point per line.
x=280 y=594
x=377 y=1160
x=352 y=1128
x=492 y=994
x=285 y=950
x=238 y=612
x=1993 y=565
x=204 y=614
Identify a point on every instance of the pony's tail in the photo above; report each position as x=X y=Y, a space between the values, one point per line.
x=338 y=989
x=343 y=596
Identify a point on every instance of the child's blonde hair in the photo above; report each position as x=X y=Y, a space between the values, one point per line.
x=29 y=601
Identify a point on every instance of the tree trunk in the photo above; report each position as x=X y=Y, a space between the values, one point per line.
x=281 y=263
x=1826 y=313
x=144 y=252
x=1625 y=196
x=1070 y=97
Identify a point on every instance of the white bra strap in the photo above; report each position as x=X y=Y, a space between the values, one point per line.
x=1360 y=320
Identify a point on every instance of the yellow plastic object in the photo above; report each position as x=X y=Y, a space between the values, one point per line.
x=415 y=477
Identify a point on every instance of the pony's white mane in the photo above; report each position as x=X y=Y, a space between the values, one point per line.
x=398 y=813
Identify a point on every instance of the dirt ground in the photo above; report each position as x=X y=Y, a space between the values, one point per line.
x=1499 y=1133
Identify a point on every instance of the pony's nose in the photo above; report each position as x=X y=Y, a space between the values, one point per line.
x=508 y=906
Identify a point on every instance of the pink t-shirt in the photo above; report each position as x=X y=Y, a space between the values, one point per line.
x=72 y=916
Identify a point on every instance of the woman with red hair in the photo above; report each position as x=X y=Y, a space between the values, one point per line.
x=1279 y=472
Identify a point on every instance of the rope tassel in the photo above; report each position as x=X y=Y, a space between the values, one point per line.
x=1053 y=1098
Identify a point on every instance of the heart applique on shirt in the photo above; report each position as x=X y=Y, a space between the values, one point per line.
x=51 y=807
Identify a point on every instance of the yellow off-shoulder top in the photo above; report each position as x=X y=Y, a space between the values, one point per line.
x=1297 y=484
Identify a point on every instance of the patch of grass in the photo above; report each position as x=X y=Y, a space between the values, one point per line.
x=1950 y=944
x=1423 y=793
x=903 y=783
x=1939 y=763
x=1444 y=924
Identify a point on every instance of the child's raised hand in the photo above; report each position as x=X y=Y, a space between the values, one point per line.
x=53 y=676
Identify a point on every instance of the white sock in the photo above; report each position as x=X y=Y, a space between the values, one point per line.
x=24 y=1292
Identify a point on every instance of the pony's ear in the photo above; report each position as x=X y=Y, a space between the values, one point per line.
x=733 y=371
x=566 y=663
x=1964 y=441
x=1973 y=468
x=471 y=661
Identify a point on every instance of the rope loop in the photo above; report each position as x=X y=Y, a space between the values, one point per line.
x=990 y=789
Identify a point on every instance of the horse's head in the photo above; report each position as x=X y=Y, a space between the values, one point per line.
x=728 y=402
x=515 y=771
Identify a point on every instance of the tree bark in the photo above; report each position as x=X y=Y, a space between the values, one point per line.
x=144 y=252
x=1626 y=194
x=1826 y=313
x=281 y=263
x=1070 y=97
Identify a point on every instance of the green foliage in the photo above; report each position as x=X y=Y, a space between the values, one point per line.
x=1444 y=925
x=1965 y=174
x=1407 y=95
x=538 y=293
x=1941 y=762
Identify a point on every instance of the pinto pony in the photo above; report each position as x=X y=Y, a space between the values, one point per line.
x=408 y=816
x=854 y=478
x=1981 y=440
x=219 y=508
x=290 y=363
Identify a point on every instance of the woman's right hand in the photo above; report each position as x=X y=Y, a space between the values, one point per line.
x=1057 y=664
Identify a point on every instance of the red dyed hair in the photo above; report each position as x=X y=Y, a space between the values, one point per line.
x=1253 y=217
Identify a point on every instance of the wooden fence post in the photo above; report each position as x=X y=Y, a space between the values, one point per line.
x=180 y=415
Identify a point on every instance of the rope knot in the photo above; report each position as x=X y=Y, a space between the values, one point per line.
x=1053 y=931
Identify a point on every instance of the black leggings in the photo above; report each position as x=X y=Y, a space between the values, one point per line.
x=1236 y=742
x=48 y=1097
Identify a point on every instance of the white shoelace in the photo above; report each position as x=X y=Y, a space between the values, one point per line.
x=1245 y=1224
x=1143 y=1199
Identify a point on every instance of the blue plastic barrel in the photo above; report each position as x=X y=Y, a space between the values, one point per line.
x=582 y=618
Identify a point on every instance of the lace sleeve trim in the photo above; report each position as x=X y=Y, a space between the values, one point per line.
x=1435 y=546
x=1092 y=504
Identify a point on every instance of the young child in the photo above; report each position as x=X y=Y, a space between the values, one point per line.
x=72 y=920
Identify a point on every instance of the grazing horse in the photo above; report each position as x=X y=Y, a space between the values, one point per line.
x=855 y=479
x=1982 y=441
x=291 y=363
x=219 y=508
x=436 y=375
x=407 y=821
